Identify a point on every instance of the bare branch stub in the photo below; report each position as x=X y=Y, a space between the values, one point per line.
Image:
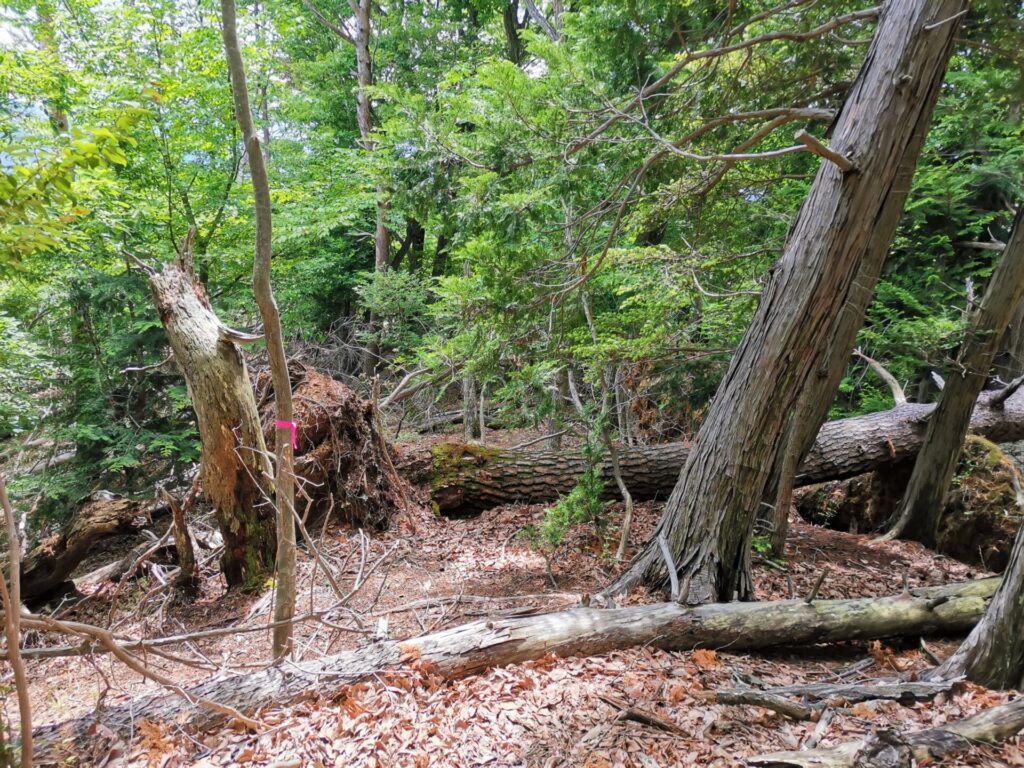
x=816 y=147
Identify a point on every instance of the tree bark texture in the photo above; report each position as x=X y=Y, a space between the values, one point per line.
x=466 y=479
x=478 y=646
x=993 y=654
x=1009 y=362
x=234 y=465
x=926 y=492
x=709 y=517
x=820 y=391
x=284 y=479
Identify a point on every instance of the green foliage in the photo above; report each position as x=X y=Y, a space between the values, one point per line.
x=25 y=372
x=399 y=302
x=581 y=506
x=117 y=134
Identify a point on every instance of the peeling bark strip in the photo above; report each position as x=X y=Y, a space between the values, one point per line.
x=235 y=468
x=468 y=478
x=480 y=645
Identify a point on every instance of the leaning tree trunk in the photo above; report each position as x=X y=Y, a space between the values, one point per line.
x=1009 y=363
x=709 y=516
x=812 y=407
x=465 y=479
x=478 y=646
x=993 y=654
x=925 y=496
x=234 y=466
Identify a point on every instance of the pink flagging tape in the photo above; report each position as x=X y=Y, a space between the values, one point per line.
x=294 y=430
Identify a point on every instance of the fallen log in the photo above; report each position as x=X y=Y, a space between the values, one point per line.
x=46 y=569
x=890 y=748
x=480 y=645
x=468 y=478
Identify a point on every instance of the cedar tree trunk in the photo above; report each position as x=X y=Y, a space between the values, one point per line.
x=926 y=492
x=709 y=517
x=993 y=654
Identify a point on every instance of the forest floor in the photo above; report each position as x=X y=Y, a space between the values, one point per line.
x=544 y=713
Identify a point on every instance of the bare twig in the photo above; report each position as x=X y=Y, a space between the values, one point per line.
x=817 y=585
x=107 y=641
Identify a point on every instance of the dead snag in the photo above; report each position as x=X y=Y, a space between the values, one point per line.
x=235 y=467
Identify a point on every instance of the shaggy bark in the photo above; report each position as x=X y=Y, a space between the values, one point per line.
x=933 y=472
x=820 y=391
x=1009 y=363
x=235 y=468
x=481 y=645
x=47 y=568
x=465 y=479
x=709 y=517
x=993 y=654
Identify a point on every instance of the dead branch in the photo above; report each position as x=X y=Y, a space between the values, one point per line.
x=897 y=391
x=990 y=726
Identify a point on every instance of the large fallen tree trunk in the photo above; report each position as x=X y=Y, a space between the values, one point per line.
x=469 y=478
x=478 y=646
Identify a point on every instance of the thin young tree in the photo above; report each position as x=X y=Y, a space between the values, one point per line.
x=284 y=480
x=929 y=483
x=709 y=517
x=10 y=601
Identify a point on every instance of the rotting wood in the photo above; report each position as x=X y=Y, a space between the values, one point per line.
x=47 y=568
x=475 y=647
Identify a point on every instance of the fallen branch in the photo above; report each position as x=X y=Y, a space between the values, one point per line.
x=850 y=693
x=480 y=645
x=626 y=712
x=990 y=727
x=764 y=699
